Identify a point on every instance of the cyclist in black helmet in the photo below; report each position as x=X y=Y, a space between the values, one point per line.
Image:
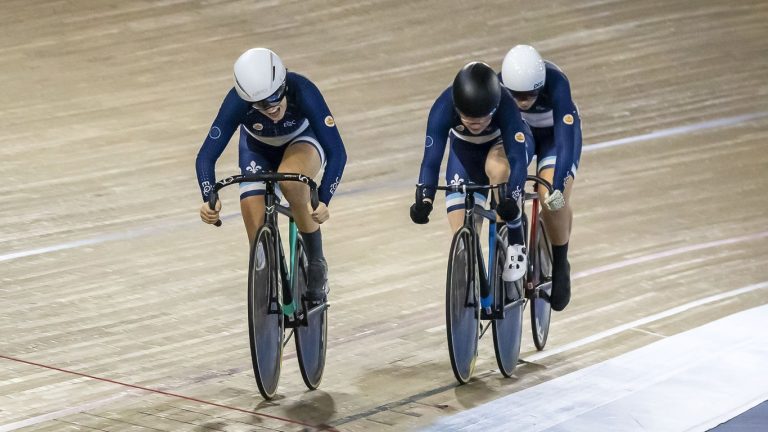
x=487 y=138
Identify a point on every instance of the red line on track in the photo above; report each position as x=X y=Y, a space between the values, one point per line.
x=274 y=417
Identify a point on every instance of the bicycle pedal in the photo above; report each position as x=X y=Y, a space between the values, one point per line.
x=494 y=314
x=291 y=321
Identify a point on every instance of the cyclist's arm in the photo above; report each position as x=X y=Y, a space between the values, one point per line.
x=514 y=137
x=438 y=125
x=227 y=120
x=323 y=124
x=565 y=117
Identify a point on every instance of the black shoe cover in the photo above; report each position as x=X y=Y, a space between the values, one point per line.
x=316 y=283
x=561 y=287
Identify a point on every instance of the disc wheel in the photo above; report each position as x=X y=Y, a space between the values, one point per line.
x=311 y=339
x=265 y=319
x=541 y=311
x=507 y=331
x=462 y=307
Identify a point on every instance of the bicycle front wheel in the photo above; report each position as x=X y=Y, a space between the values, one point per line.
x=462 y=306
x=541 y=311
x=508 y=296
x=265 y=318
x=310 y=339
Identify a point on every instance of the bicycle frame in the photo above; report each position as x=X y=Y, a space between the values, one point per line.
x=487 y=273
x=531 y=279
x=281 y=302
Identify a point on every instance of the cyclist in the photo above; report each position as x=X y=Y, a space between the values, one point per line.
x=543 y=94
x=285 y=126
x=487 y=146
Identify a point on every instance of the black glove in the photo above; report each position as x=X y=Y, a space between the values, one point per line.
x=508 y=209
x=420 y=212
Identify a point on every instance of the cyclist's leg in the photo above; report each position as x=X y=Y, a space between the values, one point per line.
x=497 y=168
x=559 y=223
x=305 y=156
x=254 y=158
x=252 y=209
x=466 y=162
x=498 y=171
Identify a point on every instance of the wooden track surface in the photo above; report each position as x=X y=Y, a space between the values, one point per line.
x=105 y=105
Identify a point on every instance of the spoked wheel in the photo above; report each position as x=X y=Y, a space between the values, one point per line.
x=265 y=318
x=310 y=339
x=541 y=311
x=507 y=331
x=462 y=307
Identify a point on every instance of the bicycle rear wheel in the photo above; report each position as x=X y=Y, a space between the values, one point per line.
x=310 y=339
x=507 y=331
x=541 y=311
x=462 y=306
x=265 y=318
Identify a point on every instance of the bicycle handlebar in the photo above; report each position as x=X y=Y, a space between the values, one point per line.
x=536 y=179
x=268 y=177
x=464 y=188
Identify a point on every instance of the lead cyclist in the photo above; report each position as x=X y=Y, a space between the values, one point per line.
x=285 y=126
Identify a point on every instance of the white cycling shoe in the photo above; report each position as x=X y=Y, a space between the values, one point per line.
x=516 y=263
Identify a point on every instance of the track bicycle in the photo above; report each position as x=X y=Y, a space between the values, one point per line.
x=276 y=291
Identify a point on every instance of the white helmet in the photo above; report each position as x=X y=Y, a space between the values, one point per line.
x=259 y=74
x=523 y=69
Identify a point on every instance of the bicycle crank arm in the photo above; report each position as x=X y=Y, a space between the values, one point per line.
x=541 y=291
x=318 y=309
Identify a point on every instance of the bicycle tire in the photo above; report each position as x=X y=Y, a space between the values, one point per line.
x=507 y=331
x=541 y=310
x=311 y=340
x=462 y=319
x=265 y=326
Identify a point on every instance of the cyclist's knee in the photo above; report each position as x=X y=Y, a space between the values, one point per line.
x=497 y=173
x=497 y=166
x=294 y=191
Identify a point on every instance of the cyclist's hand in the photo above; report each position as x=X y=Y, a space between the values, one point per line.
x=320 y=214
x=420 y=211
x=210 y=216
x=554 y=201
x=508 y=210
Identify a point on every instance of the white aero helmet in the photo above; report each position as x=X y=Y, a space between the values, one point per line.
x=523 y=69
x=259 y=75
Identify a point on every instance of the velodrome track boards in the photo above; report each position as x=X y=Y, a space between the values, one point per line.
x=121 y=311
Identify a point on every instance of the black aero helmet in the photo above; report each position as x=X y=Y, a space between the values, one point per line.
x=476 y=90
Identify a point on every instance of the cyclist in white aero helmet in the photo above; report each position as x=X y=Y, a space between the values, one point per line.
x=260 y=77
x=543 y=94
x=285 y=126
